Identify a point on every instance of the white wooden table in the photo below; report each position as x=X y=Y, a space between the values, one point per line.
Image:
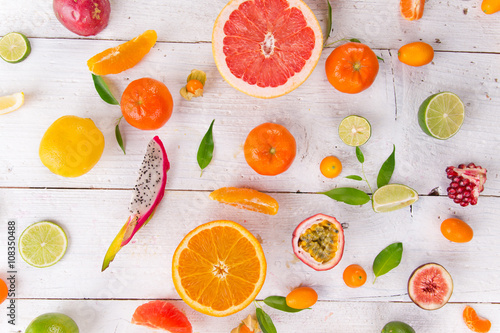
x=92 y=208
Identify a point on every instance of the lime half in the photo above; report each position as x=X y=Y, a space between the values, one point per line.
x=441 y=115
x=14 y=47
x=43 y=244
x=11 y=102
x=53 y=322
x=393 y=197
x=354 y=130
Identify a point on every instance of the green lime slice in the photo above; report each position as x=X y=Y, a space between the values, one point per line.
x=43 y=244
x=354 y=130
x=14 y=47
x=441 y=115
x=393 y=197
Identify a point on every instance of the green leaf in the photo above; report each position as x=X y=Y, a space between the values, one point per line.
x=381 y=59
x=279 y=303
x=206 y=149
x=119 y=138
x=354 y=177
x=359 y=155
x=103 y=90
x=355 y=40
x=385 y=173
x=265 y=322
x=348 y=195
x=388 y=259
x=329 y=21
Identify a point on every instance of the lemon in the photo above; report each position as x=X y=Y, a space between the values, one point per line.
x=43 y=244
x=71 y=146
x=11 y=102
x=393 y=197
x=354 y=130
x=53 y=322
x=441 y=115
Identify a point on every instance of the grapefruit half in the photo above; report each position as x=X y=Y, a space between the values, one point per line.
x=266 y=48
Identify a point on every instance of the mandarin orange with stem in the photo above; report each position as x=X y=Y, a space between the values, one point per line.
x=354 y=276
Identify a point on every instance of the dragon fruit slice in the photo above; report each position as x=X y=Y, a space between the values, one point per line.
x=148 y=192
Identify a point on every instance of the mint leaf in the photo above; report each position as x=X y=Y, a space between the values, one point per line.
x=387 y=169
x=348 y=195
x=103 y=90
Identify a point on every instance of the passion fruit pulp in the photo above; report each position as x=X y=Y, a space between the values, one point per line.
x=430 y=286
x=318 y=242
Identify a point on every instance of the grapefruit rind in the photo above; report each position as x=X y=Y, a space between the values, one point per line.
x=184 y=245
x=253 y=90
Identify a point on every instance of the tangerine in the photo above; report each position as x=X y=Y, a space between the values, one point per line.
x=330 y=167
x=351 y=68
x=147 y=104
x=474 y=322
x=354 y=276
x=269 y=149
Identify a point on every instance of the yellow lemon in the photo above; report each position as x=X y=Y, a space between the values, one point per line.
x=71 y=146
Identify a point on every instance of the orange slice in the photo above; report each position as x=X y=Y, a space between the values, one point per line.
x=219 y=268
x=474 y=322
x=246 y=198
x=124 y=56
x=412 y=9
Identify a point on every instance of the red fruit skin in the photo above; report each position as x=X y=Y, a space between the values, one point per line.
x=162 y=315
x=83 y=17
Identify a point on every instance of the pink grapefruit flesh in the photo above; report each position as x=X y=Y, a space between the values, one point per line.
x=162 y=315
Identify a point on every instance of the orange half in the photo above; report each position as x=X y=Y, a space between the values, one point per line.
x=219 y=268
x=246 y=198
x=124 y=56
x=474 y=322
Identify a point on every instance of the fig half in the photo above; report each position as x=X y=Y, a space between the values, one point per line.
x=430 y=286
x=318 y=242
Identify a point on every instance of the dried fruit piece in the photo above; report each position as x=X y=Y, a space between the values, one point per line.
x=302 y=298
x=430 y=286
x=194 y=86
x=466 y=183
x=319 y=242
x=474 y=322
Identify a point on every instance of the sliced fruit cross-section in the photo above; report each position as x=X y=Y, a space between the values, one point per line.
x=246 y=198
x=441 y=115
x=392 y=197
x=355 y=130
x=14 y=47
x=219 y=268
x=162 y=315
x=11 y=102
x=43 y=244
x=266 y=48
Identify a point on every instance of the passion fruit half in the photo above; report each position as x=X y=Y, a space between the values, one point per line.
x=430 y=286
x=318 y=242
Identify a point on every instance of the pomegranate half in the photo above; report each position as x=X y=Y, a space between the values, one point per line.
x=318 y=242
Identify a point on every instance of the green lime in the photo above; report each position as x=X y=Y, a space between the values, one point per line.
x=393 y=197
x=397 y=327
x=43 y=244
x=441 y=115
x=52 y=322
x=354 y=130
x=14 y=47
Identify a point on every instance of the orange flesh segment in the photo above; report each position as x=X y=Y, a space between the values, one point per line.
x=245 y=198
x=412 y=9
x=474 y=322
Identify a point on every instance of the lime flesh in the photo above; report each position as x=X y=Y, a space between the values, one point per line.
x=43 y=244
x=53 y=323
x=14 y=47
x=354 y=130
x=392 y=197
x=441 y=115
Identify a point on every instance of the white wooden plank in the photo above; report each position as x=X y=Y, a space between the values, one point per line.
x=93 y=217
x=114 y=316
x=456 y=26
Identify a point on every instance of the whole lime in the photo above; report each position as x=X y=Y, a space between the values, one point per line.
x=54 y=323
x=397 y=327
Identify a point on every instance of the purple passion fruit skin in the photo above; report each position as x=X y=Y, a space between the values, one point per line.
x=318 y=242
x=430 y=286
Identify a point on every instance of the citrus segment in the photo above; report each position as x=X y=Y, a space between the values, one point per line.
x=11 y=102
x=354 y=130
x=412 y=9
x=14 y=47
x=219 y=268
x=474 y=322
x=266 y=48
x=162 y=315
x=441 y=115
x=43 y=244
x=124 y=56
x=393 y=197
x=246 y=198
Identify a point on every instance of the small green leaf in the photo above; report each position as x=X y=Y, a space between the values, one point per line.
x=354 y=177
x=329 y=21
x=359 y=155
x=381 y=59
x=103 y=90
x=355 y=40
x=348 y=195
x=279 y=303
x=388 y=259
x=265 y=322
x=119 y=138
x=385 y=173
x=206 y=149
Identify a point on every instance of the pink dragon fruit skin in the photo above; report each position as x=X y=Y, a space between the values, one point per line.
x=148 y=192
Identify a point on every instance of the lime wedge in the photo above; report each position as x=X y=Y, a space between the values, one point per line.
x=354 y=130
x=393 y=197
x=441 y=115
x=43 y=244
x=14 y=47
x=11 y=102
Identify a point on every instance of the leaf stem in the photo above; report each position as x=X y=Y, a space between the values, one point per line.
x=364 y=176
